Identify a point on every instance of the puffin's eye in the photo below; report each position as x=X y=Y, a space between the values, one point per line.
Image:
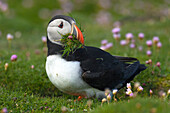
x=61 y=25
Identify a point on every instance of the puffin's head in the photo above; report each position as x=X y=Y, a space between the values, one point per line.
x=61 y=25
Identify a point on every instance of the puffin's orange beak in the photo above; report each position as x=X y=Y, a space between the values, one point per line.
x=77 y=32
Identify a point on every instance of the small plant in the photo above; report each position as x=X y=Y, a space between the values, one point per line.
x=9 y=38
x=70 y=44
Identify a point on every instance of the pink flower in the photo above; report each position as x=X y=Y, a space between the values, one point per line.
x=149 y=43
x=37 y=51
x=44 y=39
x=116 y=30
x=147 y=62
x=4 y=6
x=140 y=48
x=129 y=36
x=131 y=95
x=13 y=58
x=109 y=45
x=103 y=47
x=4 y=110
x=104 y=42
x=141 y=35
x=123 y=42
x=150 y=61
x=132 y=45
x=32 y=66
x=149 y=53
x=158 y=64
x=144 y=84
x=159 y=45
x=151 y=92
x=140 y=88
x=133 y=41
x=70 y=37
x=155 y=39
x=108 y=97
x=116 y=36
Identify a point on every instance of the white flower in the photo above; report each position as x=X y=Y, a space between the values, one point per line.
x=128 y=85
x=163 y=94
x=151 y=92
x=114 y=91
x=6 y=66
x=140 y=88
x=108 y=97
x=128 y=92
x=9 y=36
x=44 y=39
x=104 y=100
x=137 y=84
x=168 y=92
x=64 y=109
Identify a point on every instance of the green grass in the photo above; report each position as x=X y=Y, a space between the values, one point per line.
x=23 y=89
x=137 y=105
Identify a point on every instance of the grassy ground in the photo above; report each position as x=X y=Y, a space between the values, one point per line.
x=23 y=89
x=137 y=105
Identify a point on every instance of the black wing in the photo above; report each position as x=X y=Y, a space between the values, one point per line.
x=102 y=70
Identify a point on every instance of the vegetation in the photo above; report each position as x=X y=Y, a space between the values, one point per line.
x=24 y=85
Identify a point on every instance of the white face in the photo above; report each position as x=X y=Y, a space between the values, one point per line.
x=56 y=28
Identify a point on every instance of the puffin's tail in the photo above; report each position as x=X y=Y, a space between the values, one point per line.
x=132 y=68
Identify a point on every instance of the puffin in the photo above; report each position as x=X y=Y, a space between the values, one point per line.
x=88 y=71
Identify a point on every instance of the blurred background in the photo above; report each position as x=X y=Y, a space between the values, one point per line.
x=28 y=19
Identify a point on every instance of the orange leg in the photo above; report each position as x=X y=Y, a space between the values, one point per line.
x=79 y=98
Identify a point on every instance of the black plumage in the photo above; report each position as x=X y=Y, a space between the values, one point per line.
x=67 y=18
x=100 y=69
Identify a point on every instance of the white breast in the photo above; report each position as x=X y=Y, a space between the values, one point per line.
x=66 y=76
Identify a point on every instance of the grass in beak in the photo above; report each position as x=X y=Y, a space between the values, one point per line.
x=71 y=44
